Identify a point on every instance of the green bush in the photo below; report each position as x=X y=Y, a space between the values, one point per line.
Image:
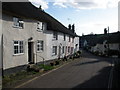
x=46 y=67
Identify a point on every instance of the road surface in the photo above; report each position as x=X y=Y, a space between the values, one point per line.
x=89 y=71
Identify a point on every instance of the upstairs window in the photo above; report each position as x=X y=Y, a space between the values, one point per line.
x=64 y=37
x=54 y=50
x=18 y=47
x=39 y=46
x=55 y=36
x=17 y=22
x=40 y=26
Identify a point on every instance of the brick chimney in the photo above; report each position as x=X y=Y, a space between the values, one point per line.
x=73 y=28
x=69 y=26
x=105 y=30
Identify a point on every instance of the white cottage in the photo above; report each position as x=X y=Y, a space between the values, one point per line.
x=30 y=36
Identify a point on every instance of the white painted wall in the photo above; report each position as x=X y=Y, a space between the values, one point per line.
x=101 y=49
x=10 y=33
x=30 y=30
x=114 y=46
x=50 y=43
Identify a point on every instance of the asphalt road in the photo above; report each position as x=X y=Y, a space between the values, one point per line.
x=89 y=71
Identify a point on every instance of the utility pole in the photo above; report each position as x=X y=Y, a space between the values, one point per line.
x=108 y=40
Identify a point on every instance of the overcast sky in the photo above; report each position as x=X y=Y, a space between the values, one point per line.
x=87 y=15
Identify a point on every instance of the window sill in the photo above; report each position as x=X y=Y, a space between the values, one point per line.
x=39 y=30
x=54 y=39
x=39 y=51
x=17 y=27
x=18 y=54
x=54 y=55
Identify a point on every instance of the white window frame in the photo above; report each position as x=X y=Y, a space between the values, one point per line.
x=54 y=50
x=55 y=36
x=63 y=49
x=40 y=45
x=40 y=26
x=18 y=23
x=20 y=48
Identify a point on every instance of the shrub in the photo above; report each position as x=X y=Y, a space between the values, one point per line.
x=96 y=53
x=57 y=62
x=52 y=64
x=65 y=58
x=34 y=68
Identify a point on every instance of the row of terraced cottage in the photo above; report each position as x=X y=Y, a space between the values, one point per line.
x=107 y=44
x=31 y=35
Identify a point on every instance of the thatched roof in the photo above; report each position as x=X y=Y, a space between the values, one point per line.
x=27 y=10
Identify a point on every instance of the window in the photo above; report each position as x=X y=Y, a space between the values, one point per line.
x=54 y=50
x=18 y=47
x=63 y=49
x=39 y=46
x=64 y=37
x=68 y=49
x=40 y=26
x=55 y=36
x=18 y=22
x=72 y=50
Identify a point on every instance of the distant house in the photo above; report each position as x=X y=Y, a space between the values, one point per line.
x=30 y=35
x=103 y=44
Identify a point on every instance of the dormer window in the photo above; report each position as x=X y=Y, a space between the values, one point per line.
x=17 y=22
x=55 y=36
x=40 y=26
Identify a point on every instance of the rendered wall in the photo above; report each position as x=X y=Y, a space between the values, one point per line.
x=10 y=34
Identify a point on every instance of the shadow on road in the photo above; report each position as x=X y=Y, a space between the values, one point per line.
x=91 y=62
x=89 y=55
x=94 y=83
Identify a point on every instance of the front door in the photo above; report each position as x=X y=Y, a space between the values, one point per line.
x=30 y=52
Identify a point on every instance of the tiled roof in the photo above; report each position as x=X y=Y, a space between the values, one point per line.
x=27 y=10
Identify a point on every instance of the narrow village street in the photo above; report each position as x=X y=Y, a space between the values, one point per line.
x=89 y=71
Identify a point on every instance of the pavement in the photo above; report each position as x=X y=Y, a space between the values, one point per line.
x=89 y=71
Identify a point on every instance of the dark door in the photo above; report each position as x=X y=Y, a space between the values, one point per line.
x=30 y=52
